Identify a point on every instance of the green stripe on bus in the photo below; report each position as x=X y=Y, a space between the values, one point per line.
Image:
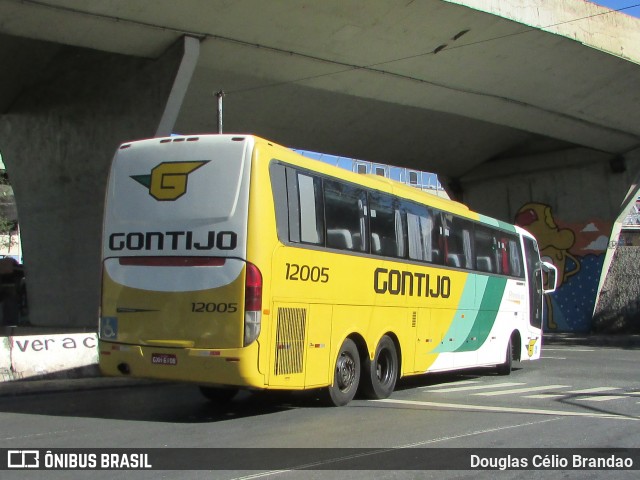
x=460 y=327
x=487 y=314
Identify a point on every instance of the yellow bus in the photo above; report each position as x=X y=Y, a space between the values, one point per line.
x=234 y=263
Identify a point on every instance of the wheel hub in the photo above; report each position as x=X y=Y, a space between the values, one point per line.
x=346 y=372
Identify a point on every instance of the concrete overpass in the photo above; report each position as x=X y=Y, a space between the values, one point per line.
x=520 y=106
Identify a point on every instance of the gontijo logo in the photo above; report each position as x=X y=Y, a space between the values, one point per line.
x=168 y=181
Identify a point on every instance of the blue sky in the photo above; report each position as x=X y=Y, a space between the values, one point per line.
x=616 y=4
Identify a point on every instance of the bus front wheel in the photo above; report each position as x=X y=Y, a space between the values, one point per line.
x=381 y=373
x=505 y=368
x=346 y=374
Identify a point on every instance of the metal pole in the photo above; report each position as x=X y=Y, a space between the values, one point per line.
x=220 y=94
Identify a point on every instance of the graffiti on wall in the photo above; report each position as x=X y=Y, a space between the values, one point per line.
x=577 y=250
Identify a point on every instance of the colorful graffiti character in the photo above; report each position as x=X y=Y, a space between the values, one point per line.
x=554 y=243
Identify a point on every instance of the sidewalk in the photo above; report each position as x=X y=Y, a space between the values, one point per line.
x=33 y=387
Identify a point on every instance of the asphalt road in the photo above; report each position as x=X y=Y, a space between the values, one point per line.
x=575 y=397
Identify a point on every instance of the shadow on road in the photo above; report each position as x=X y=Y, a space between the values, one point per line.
x=175 y=403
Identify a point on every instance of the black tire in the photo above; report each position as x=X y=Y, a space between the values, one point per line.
x=346 y=375
x=505 y=368
x=220 y=396
x=380 y=374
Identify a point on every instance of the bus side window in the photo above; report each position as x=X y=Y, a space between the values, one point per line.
x=278 y=175
x=515 y=258
x=485 y=258
x=459 y=243
x=345 y=208
x=438 y=240
x=310 y=210
x=386 y=221
x=420 y=226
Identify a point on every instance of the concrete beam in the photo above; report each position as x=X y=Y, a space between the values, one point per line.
x=180 y=86
x=57 y=141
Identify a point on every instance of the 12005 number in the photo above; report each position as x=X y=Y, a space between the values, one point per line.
x=305 y=273
x=202 y=307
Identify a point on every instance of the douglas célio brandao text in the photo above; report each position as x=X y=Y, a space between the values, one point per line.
x=551 y=462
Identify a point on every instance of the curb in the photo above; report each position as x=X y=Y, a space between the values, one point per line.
x=33 y=387
x=619 y=341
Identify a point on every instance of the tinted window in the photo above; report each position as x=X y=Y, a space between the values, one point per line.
x=319 y=211
x=485 y=248
x=422 y=233
x=345 y=216
x=311 y=215
x=386 y=222
x=507 y=254
x=459 y=247
x=515 y=257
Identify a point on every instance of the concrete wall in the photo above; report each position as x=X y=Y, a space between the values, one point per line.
x=569 y=207
x=65 y=356
x=57 y=139
x=618 y=309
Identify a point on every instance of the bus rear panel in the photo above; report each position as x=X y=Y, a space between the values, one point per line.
x=179 y=299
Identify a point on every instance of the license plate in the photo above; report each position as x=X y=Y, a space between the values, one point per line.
x=164 y=359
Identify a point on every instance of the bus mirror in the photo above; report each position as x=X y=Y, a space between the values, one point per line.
x=549 y=277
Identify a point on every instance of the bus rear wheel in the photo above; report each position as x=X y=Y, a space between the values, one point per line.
x=220 y=396
x=380 y=374
x=346 y=375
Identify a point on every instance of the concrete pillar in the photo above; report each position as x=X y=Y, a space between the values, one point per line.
x=569 y=199
x=617 y=308
x=57 y=140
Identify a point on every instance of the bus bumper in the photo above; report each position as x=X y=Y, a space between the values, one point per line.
x=236 y=367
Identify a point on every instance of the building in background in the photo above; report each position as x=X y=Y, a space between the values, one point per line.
x=425 y=181
x=630 y=233
x=13 y=288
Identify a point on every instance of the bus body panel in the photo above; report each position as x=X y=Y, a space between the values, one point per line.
x=235 y=367
x=171 y=311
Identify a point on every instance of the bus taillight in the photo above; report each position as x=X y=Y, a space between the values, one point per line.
x=252 y=304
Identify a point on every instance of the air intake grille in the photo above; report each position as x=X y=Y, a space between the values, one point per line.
x=290 y=340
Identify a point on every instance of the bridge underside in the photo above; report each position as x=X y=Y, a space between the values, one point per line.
x=528 y=109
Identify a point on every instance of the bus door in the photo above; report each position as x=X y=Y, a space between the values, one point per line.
x=534 y=281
